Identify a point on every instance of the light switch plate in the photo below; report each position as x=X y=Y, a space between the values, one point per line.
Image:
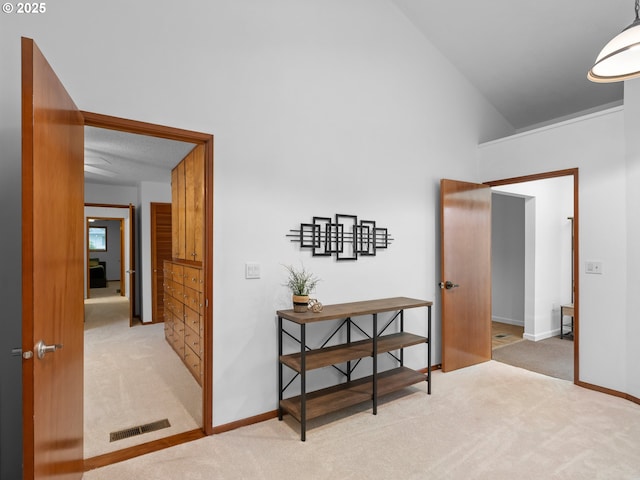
x=593 y=267
x=251 y=270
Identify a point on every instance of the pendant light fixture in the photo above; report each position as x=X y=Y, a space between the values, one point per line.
x=620 y=58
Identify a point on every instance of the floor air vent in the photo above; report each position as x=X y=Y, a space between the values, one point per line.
x=139 y=430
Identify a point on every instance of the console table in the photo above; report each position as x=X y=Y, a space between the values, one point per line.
x=310 y=405
x=566 y=311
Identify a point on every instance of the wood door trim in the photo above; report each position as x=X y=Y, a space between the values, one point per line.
x=137 y=450
x=574 y=172
x=207 y=264
x=171 y=133
x=106 y=205
x=144 y=128
x=122 y=244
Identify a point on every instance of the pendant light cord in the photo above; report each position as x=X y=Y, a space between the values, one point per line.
x=637 y=10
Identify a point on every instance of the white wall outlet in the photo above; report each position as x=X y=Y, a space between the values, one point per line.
x=251 y=270
x=593 y=267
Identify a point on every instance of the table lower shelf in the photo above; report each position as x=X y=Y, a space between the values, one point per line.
x=327 y=400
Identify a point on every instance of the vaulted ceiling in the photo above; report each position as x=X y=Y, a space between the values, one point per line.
x=529 y=60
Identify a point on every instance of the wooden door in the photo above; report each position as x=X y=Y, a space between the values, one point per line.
x=177 y=211
x=160 y=251
x=194 y=204
x=132 y=264
x=465 y=273
x=52 y=272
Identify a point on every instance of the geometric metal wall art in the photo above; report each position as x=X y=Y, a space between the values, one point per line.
x=342 y=236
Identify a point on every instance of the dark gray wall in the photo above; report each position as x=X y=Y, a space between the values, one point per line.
x=10 y=299
x=508 y=258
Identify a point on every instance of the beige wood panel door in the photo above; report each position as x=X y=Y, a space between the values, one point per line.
x=194 y=184
x=177 y=211
x=160 y=251
x=52 y=272
x=465 y=273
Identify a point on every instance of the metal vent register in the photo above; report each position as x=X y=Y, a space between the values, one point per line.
x=139 y=430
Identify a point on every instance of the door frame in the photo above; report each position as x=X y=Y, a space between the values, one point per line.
x=205 y=139
x=571 y=172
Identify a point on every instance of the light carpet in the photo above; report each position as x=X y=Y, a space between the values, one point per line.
x=132 y=377
x=489 y=421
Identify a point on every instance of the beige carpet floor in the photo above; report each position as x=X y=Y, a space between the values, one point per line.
x=132 y=377
x=491 y=421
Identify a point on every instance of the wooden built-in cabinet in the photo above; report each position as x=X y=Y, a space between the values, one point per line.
x=187 y=207
x=183 y=275
x=346 y=356
x=183 y=314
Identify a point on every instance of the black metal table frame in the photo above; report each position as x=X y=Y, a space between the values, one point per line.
x=349 y=324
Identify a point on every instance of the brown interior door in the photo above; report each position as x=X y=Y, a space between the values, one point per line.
x=52 y=272
x=465 y=273
x=132 y=264
x=160 y=251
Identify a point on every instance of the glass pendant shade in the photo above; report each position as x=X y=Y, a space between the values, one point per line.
x=620 y=58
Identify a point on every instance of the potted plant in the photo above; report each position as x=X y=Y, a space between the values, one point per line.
x=301 y=283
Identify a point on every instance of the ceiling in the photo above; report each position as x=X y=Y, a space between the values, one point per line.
x=529 y=60
x=112 y=157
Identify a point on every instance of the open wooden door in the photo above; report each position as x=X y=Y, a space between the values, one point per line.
x=466 y=273
x=160 y=251
x=52 y=273
x=132 y=264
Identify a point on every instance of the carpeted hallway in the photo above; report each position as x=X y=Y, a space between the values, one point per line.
x=490 y=421
x=132 y=377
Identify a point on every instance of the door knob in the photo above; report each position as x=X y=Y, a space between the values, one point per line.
x=448 y=285
x=42 y=349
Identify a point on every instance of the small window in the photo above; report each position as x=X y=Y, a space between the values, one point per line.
x=98 y=239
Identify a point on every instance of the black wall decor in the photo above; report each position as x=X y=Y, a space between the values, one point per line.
x=342 y=236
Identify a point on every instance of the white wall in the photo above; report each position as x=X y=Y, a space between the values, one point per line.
x=110 y=194
x=317 y=106
x=551 y=250
x=149 y=192
x=632 y=126
x=140 y=196
x=596 y=145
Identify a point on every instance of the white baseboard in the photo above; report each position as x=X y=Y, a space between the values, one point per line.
x=541 y=336
x=508 y=321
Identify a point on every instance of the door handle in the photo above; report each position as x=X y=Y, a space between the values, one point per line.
x=42 y=349
x=448 y=285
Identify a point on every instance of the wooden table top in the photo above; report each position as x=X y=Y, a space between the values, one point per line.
x=354 y=309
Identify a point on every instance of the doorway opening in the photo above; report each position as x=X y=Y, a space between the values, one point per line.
x=105 y=257
x=199 y=406
x=535 y=273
